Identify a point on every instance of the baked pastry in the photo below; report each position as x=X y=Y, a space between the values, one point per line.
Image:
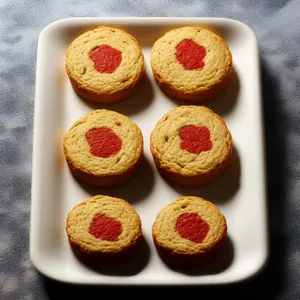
x=103 y=230
x=191 y=63
x=103 y=148
x=105 y=64
x=189 y=231
x=191 y=145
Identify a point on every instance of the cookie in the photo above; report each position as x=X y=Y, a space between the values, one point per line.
x=105 y=64
x=191 y=145
x=103 y=148
x=191 y=63
x=103 y=230
x=189 y=232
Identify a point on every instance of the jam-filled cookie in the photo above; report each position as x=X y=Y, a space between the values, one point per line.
x=103 y=148
x=191 y=63
x=189 y=231
x=105 y=64
x=191 y=145
x=103 y=230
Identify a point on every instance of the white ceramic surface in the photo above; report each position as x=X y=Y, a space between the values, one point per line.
x=240 y=194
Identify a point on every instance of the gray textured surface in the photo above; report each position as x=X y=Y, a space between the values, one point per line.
x=277 y=26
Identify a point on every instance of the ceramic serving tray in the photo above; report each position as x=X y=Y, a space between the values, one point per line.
x=240 y=194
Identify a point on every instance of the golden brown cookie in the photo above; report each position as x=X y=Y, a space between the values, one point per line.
x=103 y=148
x=191 y=63
x=105 y=64
x=189 y=231
x=191 y=145
x=103 y=230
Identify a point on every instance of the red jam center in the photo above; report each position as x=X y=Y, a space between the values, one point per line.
x=106 y=59
x=105 y=228
x=190 y=55
x=103 y=142
x=190 y=226
x=195 y=139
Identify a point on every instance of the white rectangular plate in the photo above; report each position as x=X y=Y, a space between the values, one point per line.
x=240 y=194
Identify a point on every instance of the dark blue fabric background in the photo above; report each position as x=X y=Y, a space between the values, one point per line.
x=277 y=26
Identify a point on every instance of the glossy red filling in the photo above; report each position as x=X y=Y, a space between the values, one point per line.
x=190 y=226
x=106 y=58
x=195 y=139
x=105 y=228
x=103 y=142
x=190 y=55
